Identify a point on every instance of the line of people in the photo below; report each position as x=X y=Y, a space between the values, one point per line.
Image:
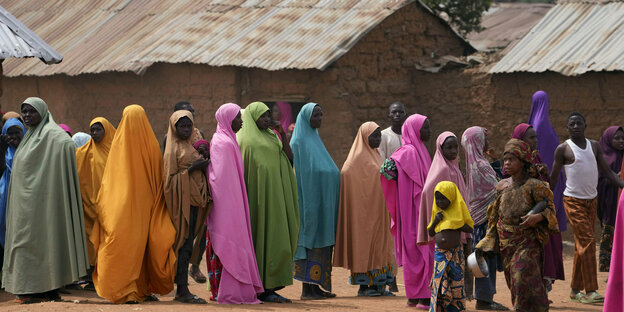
x=268 y=208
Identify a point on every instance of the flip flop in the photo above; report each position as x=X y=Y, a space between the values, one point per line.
x=577 y=297
x=328 y=294
x=151 y=298
x=592 y=298
x=198 y=277
x=275 y=298
x=29 y=300
x=194 y=299
x=387 y=293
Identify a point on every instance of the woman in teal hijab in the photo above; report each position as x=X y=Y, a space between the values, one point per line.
x=272 y=194
x=318 y=185
x=12 y=133
x=45 y=236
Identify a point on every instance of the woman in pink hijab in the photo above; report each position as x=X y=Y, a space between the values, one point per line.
x=402 y=189
x=282 y=112
x=228 y=221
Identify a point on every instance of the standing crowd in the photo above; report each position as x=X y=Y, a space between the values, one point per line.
x=266 y=203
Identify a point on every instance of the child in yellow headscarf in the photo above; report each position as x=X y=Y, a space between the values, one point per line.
x=449 y=217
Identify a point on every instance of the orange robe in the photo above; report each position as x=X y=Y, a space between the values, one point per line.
x=91 y=160
x=133 y=234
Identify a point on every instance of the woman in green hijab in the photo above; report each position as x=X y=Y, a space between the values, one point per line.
x=272 y=193
x=45 y=236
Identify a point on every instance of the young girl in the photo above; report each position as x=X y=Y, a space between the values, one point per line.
x=517 y=231
x=450 y=217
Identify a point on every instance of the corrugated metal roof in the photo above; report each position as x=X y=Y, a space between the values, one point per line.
x=572 y=39
x=16 y=40
x=505 y=23
x=130 y=35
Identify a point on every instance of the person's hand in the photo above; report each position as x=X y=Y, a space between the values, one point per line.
x=531 y=220
x=277 y=126
x=4 y=142
x=200 y=164
x=438 y=217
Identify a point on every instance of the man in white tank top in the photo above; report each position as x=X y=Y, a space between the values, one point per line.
x=582 y=159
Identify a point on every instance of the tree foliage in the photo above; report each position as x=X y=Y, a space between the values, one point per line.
x=464 y=15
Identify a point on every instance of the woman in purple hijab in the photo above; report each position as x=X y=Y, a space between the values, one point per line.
x=612 y=144
x=547 y=142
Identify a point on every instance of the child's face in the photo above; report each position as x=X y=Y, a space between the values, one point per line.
x=204 y=150
x=442 y=201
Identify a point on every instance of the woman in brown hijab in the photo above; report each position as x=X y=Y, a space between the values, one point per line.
x=186 y=195
x=363 y=239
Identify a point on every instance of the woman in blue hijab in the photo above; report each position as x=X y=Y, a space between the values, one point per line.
x=12 y=133
x=318 y=186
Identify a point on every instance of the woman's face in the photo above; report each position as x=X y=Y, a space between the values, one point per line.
x=618 y=140
x=530 y=136
x=30 y=115
x=425 y=131
x=374 y=139
x=317 y=117
x=97 y=132
x=264 y=121
x=237 y=123
x=277 y=113
x=15 y=135
x=512 y=164
x=450 y=148
x=184 y=128
x=441 y=200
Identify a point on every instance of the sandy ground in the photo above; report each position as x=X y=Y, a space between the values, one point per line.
x=346 y=300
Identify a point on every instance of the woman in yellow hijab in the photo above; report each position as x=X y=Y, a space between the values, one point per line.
x=91 y=160
x=133 y=235
x=449 y=217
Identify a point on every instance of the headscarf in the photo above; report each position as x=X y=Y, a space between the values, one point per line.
x=441 y=169
x=318 y=185
x=272 y=192
x=286 y=111
x=480 y=176
x=520 y=130
x=44 y=215
x=199 y=143
x=608 y=192
x=6 y=175
x=456 y=215
x=91 y=161
x=66 y=128
x=520 y=149
x=80 y=139
x=363 y=239
x=612 y=157
x=183 y=189
x=547 y=142
x=133 y=234
x=413 y=155
x=8 y=115
x=228 y=221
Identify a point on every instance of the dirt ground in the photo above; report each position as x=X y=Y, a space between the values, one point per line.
x=346 y=300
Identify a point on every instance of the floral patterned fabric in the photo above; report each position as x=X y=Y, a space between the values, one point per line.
x=447 y=283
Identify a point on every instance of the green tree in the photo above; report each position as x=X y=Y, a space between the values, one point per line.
x=464 y=15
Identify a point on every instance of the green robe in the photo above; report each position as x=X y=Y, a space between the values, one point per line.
x=45 y=236
x=272 y=193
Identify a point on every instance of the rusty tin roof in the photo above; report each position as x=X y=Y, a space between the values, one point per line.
x=573 y=38
x=130 y=35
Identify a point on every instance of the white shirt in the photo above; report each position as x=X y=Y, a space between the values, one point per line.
x=390 y=142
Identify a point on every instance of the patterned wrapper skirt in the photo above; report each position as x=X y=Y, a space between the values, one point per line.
x=447 y=282
x=316 y=268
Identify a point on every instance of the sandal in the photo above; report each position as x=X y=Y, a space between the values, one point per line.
x=275 y=298
x=577 y=297
x=193 y=299
x=29 y=300
x=490 y=306
x=197 y=276
x=592 y=297
x=151 y=298
x=327 y=294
